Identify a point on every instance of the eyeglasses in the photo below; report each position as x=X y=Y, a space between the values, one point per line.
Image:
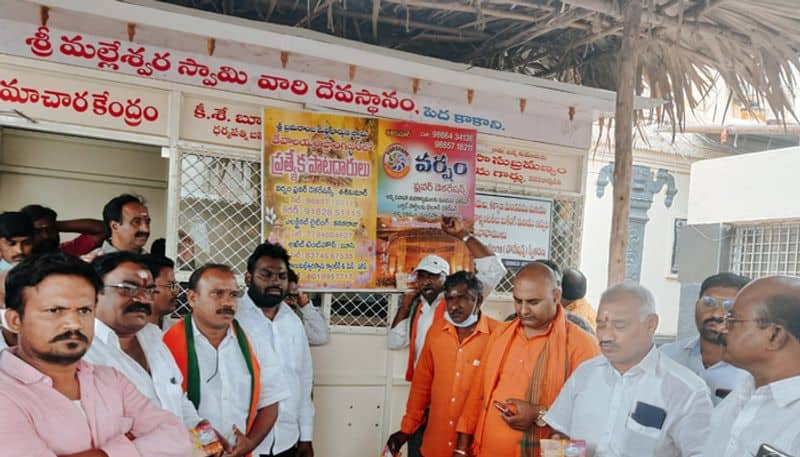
x=129 y=290
x=221 y=293
x=293 y=296
x=171 y=285
x=711 y=302
x=730 y=320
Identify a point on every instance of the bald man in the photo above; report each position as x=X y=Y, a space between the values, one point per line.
x=632 y=400
x=762 y=336
x=524 y=366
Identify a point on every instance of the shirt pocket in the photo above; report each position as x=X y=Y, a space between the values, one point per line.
x=124 y=425
x=639 y=440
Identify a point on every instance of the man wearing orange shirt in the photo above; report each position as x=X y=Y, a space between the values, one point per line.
x=524 y=366
x=447 y=363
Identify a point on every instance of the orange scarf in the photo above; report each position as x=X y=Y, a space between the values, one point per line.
x=180 y=342
x=412 y=339
x=552 y=375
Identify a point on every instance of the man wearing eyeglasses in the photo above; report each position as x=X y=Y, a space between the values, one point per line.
x=165 y=298
x=762 y=336
x=703 y=354
x=232 y=380
x=265 y=314
x=124 y=340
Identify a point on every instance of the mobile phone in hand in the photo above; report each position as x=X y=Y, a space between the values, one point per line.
x=502 y=407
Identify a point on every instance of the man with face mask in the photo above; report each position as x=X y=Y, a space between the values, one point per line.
x=124 y=340
x=524 y=366
x=632 y=400
x=272 y=323
x=447 y=364
x=426 y=302
x=703 y=354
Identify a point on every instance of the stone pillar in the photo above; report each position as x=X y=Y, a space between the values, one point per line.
x=645 y=185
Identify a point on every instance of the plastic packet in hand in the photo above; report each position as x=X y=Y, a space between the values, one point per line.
x=208 y=438
x=563 y=448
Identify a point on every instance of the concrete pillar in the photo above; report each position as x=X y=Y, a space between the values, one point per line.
x=703 y=250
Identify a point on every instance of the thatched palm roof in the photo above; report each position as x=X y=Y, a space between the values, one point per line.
x=753 y=45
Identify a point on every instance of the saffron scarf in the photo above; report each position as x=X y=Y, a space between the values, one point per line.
x=180 y=341
x=416 y=312
x=548 y=377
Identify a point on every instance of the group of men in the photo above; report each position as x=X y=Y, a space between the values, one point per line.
x=235 y=372
x=485 y=388
x=88 y=371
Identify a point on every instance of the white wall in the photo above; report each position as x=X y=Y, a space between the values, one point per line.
x=744 y=188
x=657 y=253
x=77 y=176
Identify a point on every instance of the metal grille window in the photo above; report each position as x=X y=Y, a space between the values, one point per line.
x=219 y=213
x=565 y=238
x=766 y=249
x=219 y=220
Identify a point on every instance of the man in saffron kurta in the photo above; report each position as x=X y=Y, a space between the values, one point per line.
x=525 y=364
x=446 y=368
x=236 y=388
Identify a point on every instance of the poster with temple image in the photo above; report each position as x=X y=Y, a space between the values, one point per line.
x=426 y=173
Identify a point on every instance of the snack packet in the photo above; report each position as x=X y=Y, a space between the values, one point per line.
x=207 y=438
x=563 y=448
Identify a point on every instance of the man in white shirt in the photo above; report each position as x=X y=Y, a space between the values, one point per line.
x=127 y=223
x=761 y=336
x=703 y=354
x=632 y=400
x=314 y=322
x=234 y=386
x=265 y=316
x=124 y=340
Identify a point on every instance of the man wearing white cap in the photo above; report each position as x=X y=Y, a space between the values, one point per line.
x=424 y=304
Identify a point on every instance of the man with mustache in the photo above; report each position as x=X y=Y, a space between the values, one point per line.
x=124 y=339
x=54 y=403
x=16 y=238
x=265 y=315
x=524 y=366
x=449 y=360
x=762 y=336
x=127 y=224
x=165 y=297
x=425 y=303
x=632 y=400
x=703 y=354
x=233 y=379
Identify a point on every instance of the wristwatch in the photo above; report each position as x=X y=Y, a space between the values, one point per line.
x=540 y=418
